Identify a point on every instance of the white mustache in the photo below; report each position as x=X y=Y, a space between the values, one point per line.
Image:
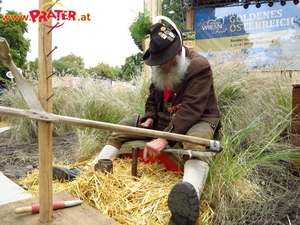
x=162 y=79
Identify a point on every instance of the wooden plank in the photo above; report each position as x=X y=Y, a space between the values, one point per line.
x=77 y=215
x=45 y=129
x=102 y=125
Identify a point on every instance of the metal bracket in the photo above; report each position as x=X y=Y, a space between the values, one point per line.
x=214 y=146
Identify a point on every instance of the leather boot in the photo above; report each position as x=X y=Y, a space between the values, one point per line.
x=63 y=174
x=183 y=200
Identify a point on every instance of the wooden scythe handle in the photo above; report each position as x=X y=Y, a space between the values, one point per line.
x=49 y=117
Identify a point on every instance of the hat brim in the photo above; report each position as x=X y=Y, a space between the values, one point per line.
x=165 y=55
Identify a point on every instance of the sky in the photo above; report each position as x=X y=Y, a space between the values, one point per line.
x=103 y=39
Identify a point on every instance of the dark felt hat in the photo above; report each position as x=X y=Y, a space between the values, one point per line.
x=164 y=45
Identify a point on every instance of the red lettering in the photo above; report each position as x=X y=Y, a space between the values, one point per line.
x=51 y=15
x=43 y=16
x=14 y=17
x=72 y=15
x=34 y=14
x=5 y=17
x=58 y=14
x=24 y=17
x=64 y=15
x=88 y=17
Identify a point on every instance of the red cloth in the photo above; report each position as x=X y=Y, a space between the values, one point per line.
x=167 y=94
x=162 y=159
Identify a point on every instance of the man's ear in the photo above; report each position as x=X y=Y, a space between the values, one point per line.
x=180 y=52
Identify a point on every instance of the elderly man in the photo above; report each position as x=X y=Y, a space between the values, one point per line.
x=182 y=100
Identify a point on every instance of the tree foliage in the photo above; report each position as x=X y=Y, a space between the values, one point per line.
x=102 y=70
x=70 y=64
x=62 y=67
x=139 y=29
x=13 y=32
x=33 y=65
x=117 y=72
x=132 y=67
x=174 y=10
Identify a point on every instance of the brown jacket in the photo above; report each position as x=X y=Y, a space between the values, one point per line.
x=196 y=96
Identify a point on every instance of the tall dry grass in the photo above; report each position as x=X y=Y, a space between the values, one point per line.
x=98 y=102
x=256 y=116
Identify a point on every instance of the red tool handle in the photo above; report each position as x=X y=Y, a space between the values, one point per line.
x=35 y=208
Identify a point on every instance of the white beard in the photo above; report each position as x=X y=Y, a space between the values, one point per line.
x=162 y=79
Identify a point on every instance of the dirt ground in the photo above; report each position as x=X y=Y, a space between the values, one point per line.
x=16 y=160
x=282 y=187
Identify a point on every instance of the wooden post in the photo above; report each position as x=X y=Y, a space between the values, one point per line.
x=45 y=128
x=155 y=9
x=189 y=20
x=295 y=126
x=189 y=26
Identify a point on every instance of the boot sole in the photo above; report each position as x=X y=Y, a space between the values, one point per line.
x=183 y=203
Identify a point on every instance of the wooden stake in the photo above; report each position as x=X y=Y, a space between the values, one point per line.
x=134 y=164
x=45 y=128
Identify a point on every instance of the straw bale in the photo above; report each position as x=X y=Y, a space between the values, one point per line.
x=123 y=197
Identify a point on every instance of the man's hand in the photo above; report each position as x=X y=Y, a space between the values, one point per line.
x=154 y=147
x=148 y=123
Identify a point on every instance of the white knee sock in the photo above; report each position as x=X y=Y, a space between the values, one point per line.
x=108 y=152
x=195 y=172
